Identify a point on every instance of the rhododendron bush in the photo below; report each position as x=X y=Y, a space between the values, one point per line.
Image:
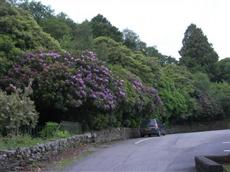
x=74 y=87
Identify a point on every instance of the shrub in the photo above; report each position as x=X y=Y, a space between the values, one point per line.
x=176 y=88
x=16 y=110
x=68 y=87
x=62 y=134
x=53 y=130
x=209 y=106
x=50 y=130
x=100 y=121
x=221 y=94
x=139 y=73
x=63 y=82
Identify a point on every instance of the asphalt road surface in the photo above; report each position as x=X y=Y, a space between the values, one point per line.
x=170 y=153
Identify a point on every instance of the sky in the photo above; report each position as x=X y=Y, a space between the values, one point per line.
x=159 y=23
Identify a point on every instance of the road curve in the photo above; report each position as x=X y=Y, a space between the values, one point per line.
x=170 y=153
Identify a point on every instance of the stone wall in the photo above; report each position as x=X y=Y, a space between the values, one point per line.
x=204 y=164
x=199 y=126
x=14 y=160
x=114 y=134
x=211 y=163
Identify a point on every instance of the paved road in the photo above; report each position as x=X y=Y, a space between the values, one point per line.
x=170 y=153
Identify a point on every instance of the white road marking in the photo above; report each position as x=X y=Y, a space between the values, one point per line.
x=142 y=140
x=226 y=142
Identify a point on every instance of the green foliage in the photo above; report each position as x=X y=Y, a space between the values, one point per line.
x=139 y=74
x=180 y=76
x=81 y=38
x=167 y=60
x=62 y=134
x=175 y=88
x=221 y=94
x=8 y=52
x=153 y=52
x=56 y=27
x=16 y=110
x=50 y=130
x=51 y=90
x=18 y=141
x=72 y=37
x=115 y=53
x=197 y=53
x=188 y=96
x=222 y=71
x=132 y=122
x=23 y=30
x=201 y=81
x=132 y=96
x=226 y=167
x=208 y=106
x=39 y=11
x=102 y=27
x=19 y=32
x=132 y=41
x=101 y=121
x=175 y=103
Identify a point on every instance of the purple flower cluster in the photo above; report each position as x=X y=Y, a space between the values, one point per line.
x=77 y=80
x=137 y=85
x=97 y=83
x=146 y=91
x=74 y=81
x=119 y=84
x=89 y=55
x=154 y=93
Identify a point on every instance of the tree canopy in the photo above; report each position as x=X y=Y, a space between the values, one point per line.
x=222 y=71
x=102 y=27
x=19 y=32
x=197 y=53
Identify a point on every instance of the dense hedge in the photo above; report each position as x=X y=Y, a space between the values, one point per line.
x=78 y=84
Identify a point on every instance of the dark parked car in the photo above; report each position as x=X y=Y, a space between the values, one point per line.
x=152 y=127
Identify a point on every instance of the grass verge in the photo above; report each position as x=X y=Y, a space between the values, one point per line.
x=18 y=141
x=227 y=167
x=7 y=143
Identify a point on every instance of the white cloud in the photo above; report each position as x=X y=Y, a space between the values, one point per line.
x=158 y=22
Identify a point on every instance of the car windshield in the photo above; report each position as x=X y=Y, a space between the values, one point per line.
x=147 y=123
